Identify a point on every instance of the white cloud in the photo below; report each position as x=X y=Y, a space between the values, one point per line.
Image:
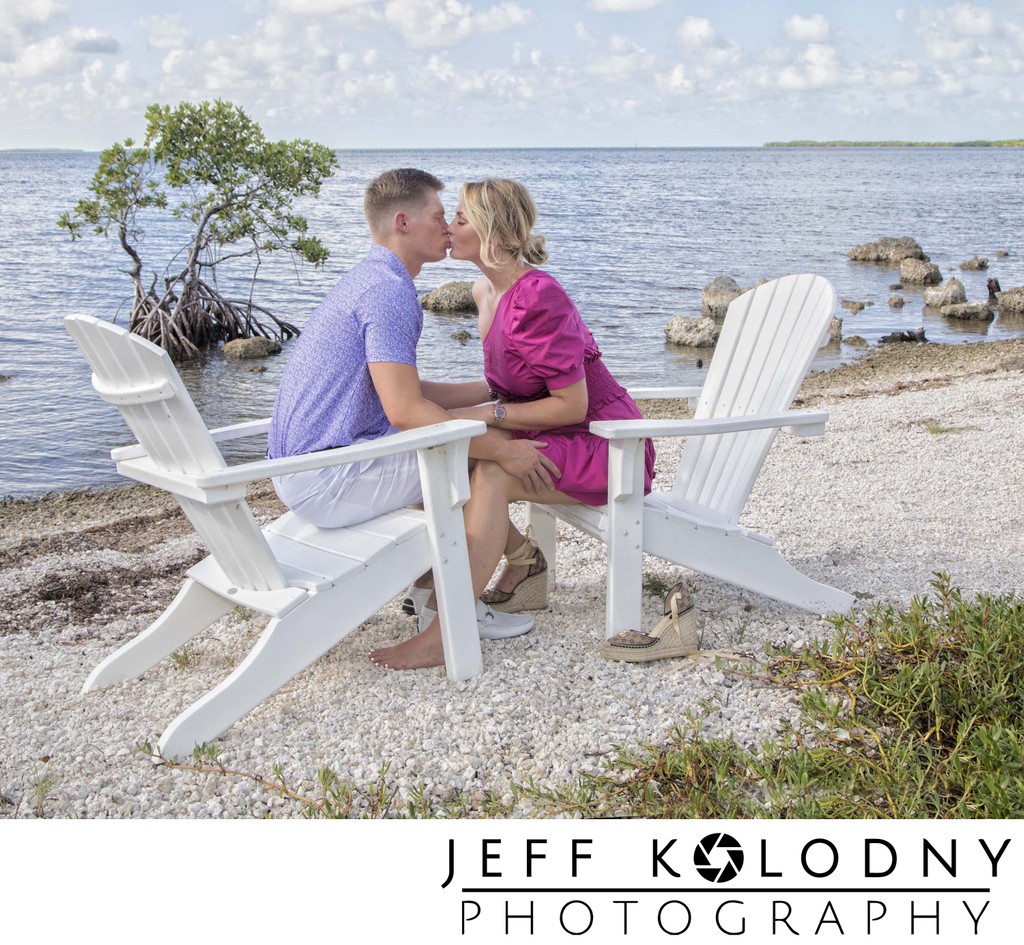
x=582 y=33
x=972 y=20
x=955 y=32
x=623 y=6
x=354 y=71
x=319 y=7
x=24 y=12
x=627 y=59
x=446 y=23
x=166 y=32
x=817 y=68
x=697 y=31
x=23 y=22
x=676 y=81
x=809 y=29
x=707 y=49
x=57 y=55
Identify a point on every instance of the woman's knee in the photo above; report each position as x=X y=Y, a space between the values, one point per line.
x=488 y=476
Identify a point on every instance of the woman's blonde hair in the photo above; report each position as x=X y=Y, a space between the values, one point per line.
x=503 y=214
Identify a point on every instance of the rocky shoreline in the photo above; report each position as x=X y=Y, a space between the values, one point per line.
x=875 y=506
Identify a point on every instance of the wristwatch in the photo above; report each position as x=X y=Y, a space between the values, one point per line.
x=499 y=413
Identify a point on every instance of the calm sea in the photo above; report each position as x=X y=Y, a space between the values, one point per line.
x=634 y=235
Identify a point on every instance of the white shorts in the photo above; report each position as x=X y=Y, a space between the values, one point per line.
x=346 y=495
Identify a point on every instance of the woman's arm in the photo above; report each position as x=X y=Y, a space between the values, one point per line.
x=565 y=407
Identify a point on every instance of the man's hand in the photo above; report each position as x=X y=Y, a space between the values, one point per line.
x=524 y=460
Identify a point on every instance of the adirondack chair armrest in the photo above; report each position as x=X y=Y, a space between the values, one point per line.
x=798 y=422
x=437 y=434
x=219 y=435
x=238 y=430
x=690 y=394
x=219 y=485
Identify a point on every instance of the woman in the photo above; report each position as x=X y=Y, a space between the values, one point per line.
x=548 y=382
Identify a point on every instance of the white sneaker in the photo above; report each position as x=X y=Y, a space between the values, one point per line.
x=416 y=599
x=491 y=624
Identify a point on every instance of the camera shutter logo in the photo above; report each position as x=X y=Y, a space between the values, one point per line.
x=718 y=857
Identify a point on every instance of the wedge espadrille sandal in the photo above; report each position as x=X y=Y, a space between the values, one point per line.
x=531 y=593
x=675 y=635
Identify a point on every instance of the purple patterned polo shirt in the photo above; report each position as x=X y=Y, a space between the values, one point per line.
x=326 y=397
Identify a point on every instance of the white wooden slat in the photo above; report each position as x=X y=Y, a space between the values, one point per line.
x=233 y=536
x=766 y=353
x=399 y=526
x=312 y=568
x=352 y=542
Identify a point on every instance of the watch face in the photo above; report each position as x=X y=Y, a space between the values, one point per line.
x=499 y=412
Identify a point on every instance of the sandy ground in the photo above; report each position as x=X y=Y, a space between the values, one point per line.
x=80 y=573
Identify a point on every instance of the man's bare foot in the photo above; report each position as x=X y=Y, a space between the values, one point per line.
x=417 y=652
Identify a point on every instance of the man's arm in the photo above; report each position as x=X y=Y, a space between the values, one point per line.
x=450 y=395
x=401 y=395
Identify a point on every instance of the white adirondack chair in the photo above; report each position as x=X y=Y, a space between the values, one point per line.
x=316 y=584
x=767 y=342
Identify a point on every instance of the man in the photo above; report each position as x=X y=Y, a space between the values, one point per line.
x=352 y=376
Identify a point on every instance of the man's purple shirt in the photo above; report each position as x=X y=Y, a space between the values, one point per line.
x=326 y=397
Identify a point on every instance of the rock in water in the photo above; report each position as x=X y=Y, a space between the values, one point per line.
x=950 y=292
x=918 y=272
x=692 y=332
x=247 y=349
x=450 y=297
x=969 y=311
x=889 y=250
x=915 y=334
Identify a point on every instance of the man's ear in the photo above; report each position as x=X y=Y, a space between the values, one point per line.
x=401 y=221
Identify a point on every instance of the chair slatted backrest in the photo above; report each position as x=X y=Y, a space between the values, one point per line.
x=768 y=340
x=141 y=381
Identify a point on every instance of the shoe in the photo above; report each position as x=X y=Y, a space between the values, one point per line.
x=676 y=635
x=416 y=599
x=491 y=625
x=531 y=593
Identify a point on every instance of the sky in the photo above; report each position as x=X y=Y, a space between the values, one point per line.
x=518 y=73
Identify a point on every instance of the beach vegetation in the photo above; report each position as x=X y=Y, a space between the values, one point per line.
x=41 y=793
x=210 y=167
x=913 y=713
x=184 y=657
x=904 y=713
x=935 y=427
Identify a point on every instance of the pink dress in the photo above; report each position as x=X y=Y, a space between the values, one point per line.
x=538 y=343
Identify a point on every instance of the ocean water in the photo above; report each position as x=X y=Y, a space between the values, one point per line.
x=634 y=235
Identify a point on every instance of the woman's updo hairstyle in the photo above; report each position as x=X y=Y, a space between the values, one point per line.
x=503 y=214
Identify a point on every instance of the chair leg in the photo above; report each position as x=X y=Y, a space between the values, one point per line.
x=742 y=561
x=286 y=647
x=291 y=643
x=545 y=527
x=191 y=612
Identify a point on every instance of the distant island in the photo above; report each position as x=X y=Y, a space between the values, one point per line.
x=1010 y=143
x=41 y=151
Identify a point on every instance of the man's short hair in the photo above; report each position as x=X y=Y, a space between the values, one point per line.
x=404 y=188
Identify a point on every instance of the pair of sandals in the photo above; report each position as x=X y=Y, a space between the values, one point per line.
x=674 y=636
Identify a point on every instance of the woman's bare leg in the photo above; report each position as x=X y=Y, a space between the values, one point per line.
x=488 y=534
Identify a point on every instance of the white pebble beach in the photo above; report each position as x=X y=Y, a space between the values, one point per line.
x=920 y=471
